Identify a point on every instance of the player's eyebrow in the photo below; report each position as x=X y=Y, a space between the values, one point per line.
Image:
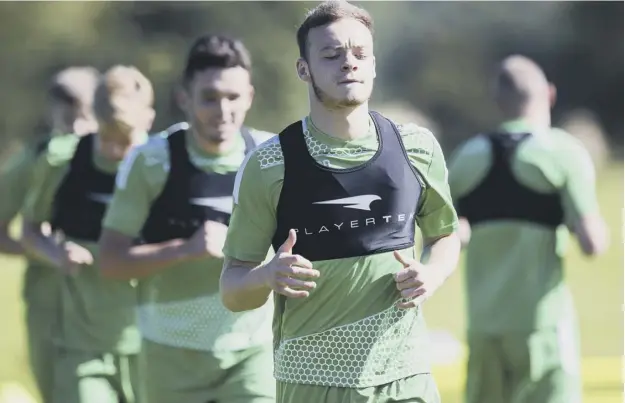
x=332 y=47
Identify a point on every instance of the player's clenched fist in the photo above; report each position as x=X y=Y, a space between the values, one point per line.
x=288 y=274
x=73 y=257
x=208 y=240
x=416 y=281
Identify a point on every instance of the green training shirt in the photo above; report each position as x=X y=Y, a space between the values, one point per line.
x=353 y=303
x=40 y=281
x=514 y=271
x=181 y=306
x=97 y=314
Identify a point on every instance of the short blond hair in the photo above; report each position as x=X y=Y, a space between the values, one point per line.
x=122 y=98
x=75 y=86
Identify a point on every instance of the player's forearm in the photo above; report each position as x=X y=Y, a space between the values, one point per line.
x=40 y=245
x=442 y=254
x=464 y=231
x=242 y=287
x=592 y=234
x=120 y=260
x=8 y=245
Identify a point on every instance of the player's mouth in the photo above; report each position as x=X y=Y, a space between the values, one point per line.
x=350 y=81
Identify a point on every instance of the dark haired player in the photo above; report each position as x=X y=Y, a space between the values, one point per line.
x=175 y=194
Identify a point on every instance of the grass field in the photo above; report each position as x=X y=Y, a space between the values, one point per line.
x=596 y=284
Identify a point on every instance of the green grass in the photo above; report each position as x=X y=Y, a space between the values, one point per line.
x=597 y=286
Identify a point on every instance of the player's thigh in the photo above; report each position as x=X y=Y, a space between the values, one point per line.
x=41 y=349
x=170 y=374
x=419 y=388
x=485 y=371
x=83 y=377
x=127 y=379
x=552 y=374
x=251 y=379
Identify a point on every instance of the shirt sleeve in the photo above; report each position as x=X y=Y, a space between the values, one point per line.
x=436 y=215
x=134 y=193
x=578 y=192
x=15 y=179
x=253 y=220
x=49 y=171
x=468 y=165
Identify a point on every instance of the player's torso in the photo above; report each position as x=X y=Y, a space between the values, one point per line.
x=350 y=212
x=96 y=313
x=353 y=305
x=181 y=305
x=514 y=261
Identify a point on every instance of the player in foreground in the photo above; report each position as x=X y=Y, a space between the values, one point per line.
x=70 y=99
x=176 y=194
x=98 y=341
x=516 y=189
x=337 y=195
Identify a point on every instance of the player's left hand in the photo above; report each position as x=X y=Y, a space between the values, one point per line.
x=416 y=281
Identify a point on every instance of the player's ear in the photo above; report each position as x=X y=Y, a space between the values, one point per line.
x=182 y=97
x=374 y=72
x=251 y=96
x=553 y=95
x=303 y=72
x=252 y=93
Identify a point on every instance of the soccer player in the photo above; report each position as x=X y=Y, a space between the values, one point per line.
x=98 y=342
x=175 y=193
x=70 y=99
x=337 y=194
x=517 y=189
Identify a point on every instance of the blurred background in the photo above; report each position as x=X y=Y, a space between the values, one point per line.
x=434 y=61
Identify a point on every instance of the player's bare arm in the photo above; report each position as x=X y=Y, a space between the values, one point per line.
x=417 y=281
x=592 y=234
x=121 y=259
x=246 y=285
x=464 y=231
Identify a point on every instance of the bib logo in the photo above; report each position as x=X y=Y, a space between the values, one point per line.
x=356 y=202
x=363 y=203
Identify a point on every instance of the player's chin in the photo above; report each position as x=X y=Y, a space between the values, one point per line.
x=352 y=101
x=217 y=135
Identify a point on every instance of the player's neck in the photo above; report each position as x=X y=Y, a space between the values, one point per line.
x=536 y=119
x=345 y=123
x=213 y=148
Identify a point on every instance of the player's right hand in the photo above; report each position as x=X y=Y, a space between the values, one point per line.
x=289 y=274
x=74 y=257
x=208 y=240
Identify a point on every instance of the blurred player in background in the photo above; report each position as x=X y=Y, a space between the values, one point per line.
x=175 y=193
x=74 y=178
x=70 y=99
x=517 y=191
x=338 y=195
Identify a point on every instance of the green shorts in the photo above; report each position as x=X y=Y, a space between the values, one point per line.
x=41 y=349
x=419 y=388
x=542 y=367
x=87 y=377
x=180 y=375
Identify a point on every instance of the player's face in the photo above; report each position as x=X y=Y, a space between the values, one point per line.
x=216 y=102
x=115 y=145
x=341 y=65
